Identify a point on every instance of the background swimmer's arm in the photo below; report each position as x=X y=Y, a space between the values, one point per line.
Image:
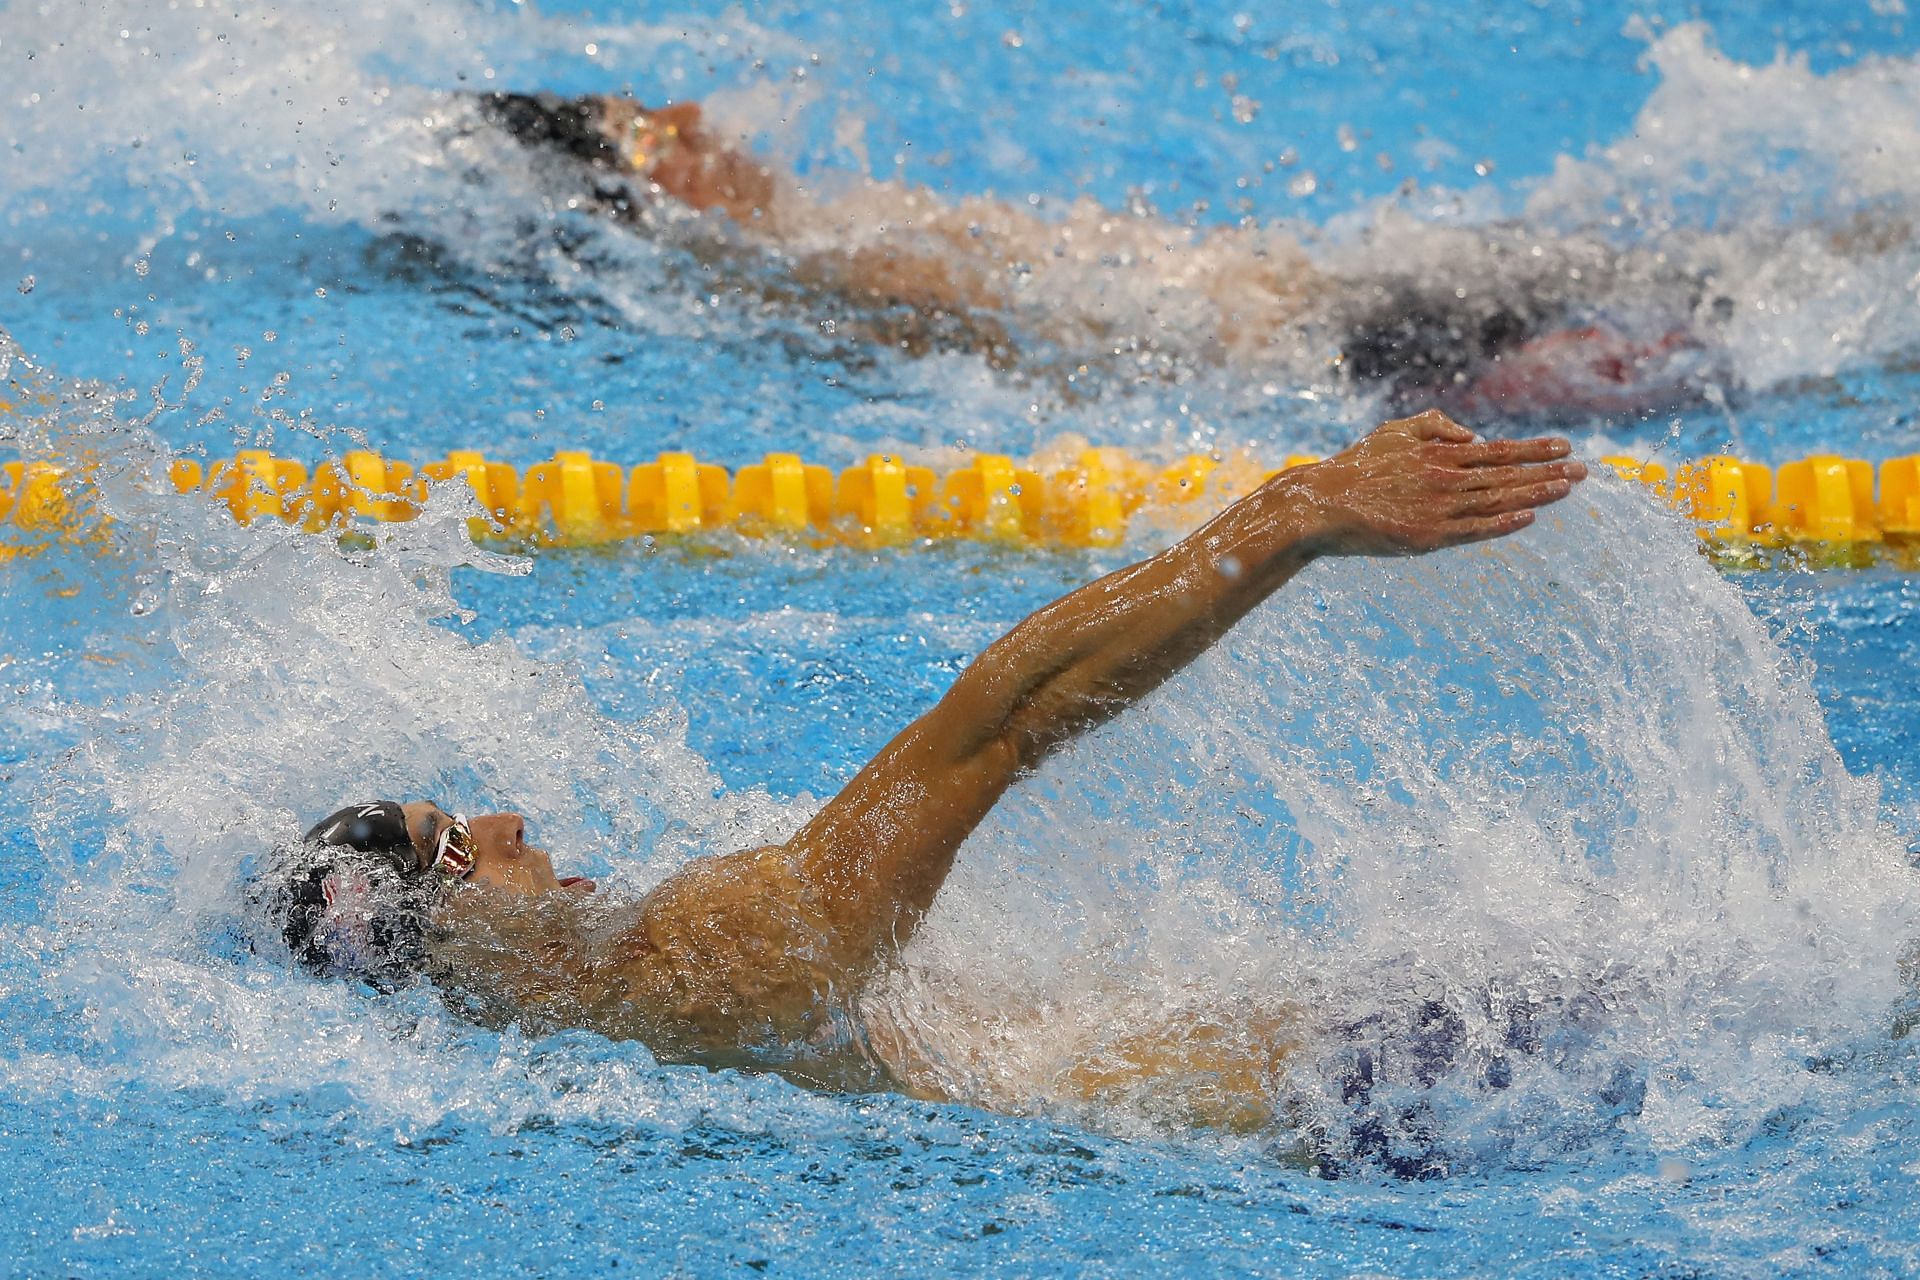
x=878 y=853
x=918 y=272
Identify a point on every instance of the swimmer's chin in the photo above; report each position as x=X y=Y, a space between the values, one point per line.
x=522 y=871
x=479 y=893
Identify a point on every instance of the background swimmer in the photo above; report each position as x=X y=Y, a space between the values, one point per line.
x=1517 y=325
x=761 y=957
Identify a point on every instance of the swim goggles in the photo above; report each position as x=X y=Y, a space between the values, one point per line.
x=454 y=850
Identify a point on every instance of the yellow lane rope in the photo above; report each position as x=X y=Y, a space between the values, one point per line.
x=1085 y=500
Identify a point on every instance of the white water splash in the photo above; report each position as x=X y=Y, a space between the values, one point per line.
x=1565 y=784
x=340 y=110
x=1794 y=193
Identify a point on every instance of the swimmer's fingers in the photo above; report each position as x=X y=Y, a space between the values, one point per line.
x=1486 y=528
x=1503 y=453
x=1435 y=425
x=1512 y=498
x=1427 y=482
x=1473 y=479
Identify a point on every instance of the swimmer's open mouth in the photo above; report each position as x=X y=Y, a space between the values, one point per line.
x=579 y=884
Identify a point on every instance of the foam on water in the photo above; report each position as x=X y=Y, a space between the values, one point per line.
x=1563 y=794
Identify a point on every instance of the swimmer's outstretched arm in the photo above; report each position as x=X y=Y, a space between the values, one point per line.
x=746 y=944
x=877 y=854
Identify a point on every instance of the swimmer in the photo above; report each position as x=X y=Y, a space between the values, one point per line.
x=761 y=958
x=1507 y=324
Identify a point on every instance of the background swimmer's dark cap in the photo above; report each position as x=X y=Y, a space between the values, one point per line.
x=376 y=826
x=549 y=122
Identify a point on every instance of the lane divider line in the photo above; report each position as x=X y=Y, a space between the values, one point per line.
x=1088 y=500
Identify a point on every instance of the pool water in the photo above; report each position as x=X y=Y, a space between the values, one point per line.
x=1636 y=831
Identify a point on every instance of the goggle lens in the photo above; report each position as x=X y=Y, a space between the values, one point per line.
x=453 y=852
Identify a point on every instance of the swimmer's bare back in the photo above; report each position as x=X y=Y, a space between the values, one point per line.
x=771 y=947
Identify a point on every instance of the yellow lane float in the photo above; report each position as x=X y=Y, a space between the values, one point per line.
x=1087 y=498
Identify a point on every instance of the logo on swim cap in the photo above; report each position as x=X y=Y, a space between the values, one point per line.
x=373 y=826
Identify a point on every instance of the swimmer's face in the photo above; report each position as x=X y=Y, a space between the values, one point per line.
x=502 y=858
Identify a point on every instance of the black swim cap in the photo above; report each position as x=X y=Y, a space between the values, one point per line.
x=378 y=826
x=352 y=900
x=546 y=121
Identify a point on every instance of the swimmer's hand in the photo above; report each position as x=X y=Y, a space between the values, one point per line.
x=1423 y=483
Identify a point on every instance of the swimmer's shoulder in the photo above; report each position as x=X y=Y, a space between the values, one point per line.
x=730 y=947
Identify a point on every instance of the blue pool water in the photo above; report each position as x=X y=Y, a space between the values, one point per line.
x=1580 y=780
